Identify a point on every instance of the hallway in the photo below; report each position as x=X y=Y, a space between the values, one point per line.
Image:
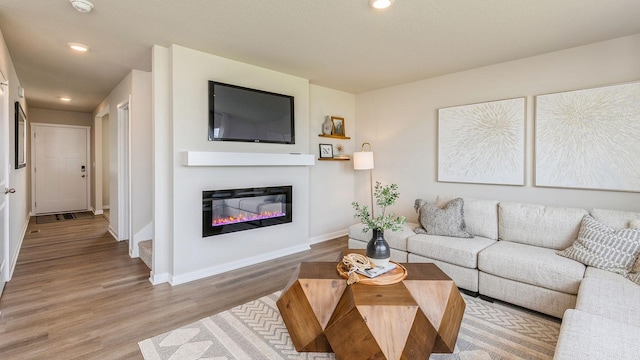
x=76 y=294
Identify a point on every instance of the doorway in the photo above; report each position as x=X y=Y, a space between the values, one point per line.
x=60 y=170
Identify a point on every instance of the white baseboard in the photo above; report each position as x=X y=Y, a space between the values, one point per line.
x=214 y=270
x=156 y=279
x=113 y=232
x=146 y=233
x=329 y=236
x=97 y=212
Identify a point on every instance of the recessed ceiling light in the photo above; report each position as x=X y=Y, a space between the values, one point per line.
x=65 y=98
x=84 y=6
x=380 y=4
x=78 y=47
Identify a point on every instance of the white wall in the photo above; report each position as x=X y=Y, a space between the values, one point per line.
x=162 y=185
x=136 y=88
x=141 y=156
x=401 y=122
x=18 y=203
x=48 y=116
x=332 y=187
x=186 y=88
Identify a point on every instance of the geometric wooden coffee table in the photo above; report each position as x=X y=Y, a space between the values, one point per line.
x=408 y=320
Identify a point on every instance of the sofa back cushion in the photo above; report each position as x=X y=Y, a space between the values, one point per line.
x=538 y=225
x=615 y=218
x=480 y=216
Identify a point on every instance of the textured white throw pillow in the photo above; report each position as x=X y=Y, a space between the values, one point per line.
x=603 y=247
x=448 y=221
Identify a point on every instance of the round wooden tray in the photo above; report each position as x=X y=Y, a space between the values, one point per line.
x=392 y=277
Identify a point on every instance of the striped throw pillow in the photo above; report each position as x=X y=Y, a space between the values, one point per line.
x=603 y=247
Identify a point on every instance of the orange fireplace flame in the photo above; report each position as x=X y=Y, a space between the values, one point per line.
x=219 y=221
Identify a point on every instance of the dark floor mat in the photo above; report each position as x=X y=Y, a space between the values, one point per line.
x=47 y=219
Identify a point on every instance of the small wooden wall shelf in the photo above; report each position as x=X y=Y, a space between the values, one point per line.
x=333 y=159
x=335 y=136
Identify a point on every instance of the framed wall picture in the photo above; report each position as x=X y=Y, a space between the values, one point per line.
x=326 y=151
x=589 y=139
x=337 y=126
x=21 y=137
x=482 y=143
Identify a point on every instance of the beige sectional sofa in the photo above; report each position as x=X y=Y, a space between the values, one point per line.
x=513 y=258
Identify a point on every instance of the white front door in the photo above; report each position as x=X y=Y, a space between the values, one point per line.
x=60 y=168
x=4 y=187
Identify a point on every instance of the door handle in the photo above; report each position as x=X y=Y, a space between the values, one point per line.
x=83 y=176
x=9 y=191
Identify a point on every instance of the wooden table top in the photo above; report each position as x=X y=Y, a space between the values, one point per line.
x=323 y=313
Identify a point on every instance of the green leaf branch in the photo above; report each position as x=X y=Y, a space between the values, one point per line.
x=385 y=195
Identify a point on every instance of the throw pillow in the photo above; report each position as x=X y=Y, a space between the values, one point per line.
x=448 y=221
x=603 y=247
x=635 y=277
x=635 y=224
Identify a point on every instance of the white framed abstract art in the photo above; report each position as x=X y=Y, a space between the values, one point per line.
x=482 y=143
x=589 y=139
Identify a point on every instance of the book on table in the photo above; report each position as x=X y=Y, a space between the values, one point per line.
x=377 y=271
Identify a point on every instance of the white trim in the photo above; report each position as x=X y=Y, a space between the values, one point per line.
x=146 y=233
x=214 y=270
x=210 y=158
x=98 y=159
x=87 y=130
x=113 y=232
x=156 y=279
x=124 y=175
x=329 y=236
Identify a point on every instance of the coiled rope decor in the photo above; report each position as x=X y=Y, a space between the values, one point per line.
x=355 y=262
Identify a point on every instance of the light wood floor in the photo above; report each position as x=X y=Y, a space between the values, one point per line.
x=76 y=294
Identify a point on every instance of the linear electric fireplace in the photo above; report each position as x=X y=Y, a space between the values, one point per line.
x=225 y=211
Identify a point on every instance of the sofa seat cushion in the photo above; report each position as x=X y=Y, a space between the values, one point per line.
x=544 y=226
x=396 y=239
x=457 y=251
x=593 y=337
x=612 y=299
x=532 y=265
x=480 y=216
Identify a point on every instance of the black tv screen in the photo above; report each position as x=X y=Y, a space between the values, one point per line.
x=237 y=113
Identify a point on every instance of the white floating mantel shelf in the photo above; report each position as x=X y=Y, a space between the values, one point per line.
x=207 y=158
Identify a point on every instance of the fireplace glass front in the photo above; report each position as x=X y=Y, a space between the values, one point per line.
x=225 y=211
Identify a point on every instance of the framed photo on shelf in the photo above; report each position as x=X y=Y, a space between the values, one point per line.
x=337 y=127
x=326 y=151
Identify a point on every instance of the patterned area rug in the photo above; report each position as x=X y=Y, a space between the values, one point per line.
x=255 y=331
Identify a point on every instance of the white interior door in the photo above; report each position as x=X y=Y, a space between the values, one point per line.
x=61 y=171
x=4 y=187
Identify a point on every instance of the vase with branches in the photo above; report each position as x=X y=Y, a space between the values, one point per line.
x=378 y=250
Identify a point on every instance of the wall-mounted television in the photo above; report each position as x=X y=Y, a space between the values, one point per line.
x=238 y=113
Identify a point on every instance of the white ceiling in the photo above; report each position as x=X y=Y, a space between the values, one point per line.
x=340 y=44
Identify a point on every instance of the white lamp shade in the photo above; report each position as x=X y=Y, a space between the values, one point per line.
x=363 y=160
